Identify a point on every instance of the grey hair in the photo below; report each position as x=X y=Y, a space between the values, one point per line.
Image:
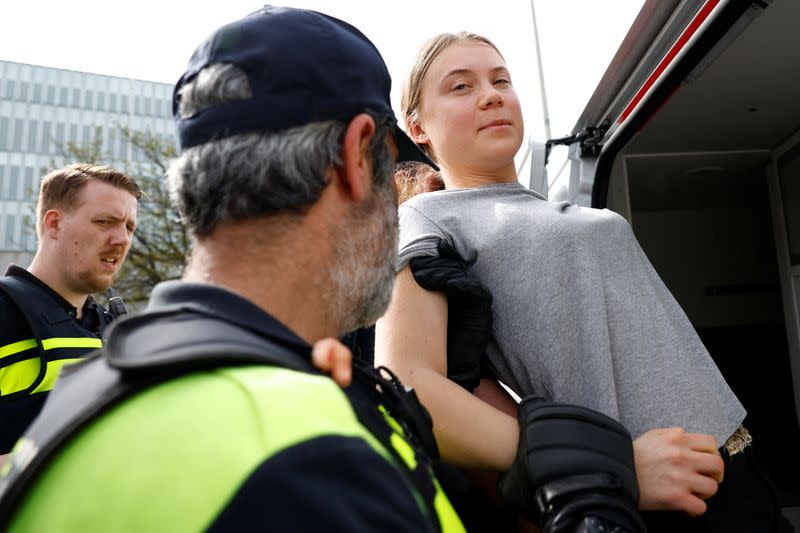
x=254 y=174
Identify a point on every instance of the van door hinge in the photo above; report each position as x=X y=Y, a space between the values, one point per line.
x=589 y=139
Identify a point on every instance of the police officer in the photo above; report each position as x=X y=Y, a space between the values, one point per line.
x=85 y=217
x=206 y=413
x=220 y=421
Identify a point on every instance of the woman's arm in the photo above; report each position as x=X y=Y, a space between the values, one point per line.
x=676 y=470
x=411 y=339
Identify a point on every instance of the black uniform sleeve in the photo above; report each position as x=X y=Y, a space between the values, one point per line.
x=16 y=412
x=332 y=484
x=13 y=327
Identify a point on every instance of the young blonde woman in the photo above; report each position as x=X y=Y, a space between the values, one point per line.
x=579 y=314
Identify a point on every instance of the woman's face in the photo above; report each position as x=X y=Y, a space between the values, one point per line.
x=469 y=112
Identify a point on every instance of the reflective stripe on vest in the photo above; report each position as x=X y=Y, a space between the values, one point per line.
x=21 y=375
x=448 y=518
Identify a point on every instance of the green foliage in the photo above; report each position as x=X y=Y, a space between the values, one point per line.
x=160 y=244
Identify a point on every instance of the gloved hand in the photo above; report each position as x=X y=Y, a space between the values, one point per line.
x=574 y=470
x=469 y=305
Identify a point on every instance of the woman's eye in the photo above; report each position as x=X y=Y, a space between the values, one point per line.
x=502 y=81
x=460 y=87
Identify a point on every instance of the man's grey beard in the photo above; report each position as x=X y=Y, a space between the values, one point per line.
x=366 y=255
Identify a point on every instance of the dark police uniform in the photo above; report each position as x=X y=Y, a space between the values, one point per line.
x=265 y=443
x=32 y=353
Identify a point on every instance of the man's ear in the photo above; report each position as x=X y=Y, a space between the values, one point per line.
x=356 y=171
x=51 y=223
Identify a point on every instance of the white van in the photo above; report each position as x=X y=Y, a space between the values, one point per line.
x=693 y=134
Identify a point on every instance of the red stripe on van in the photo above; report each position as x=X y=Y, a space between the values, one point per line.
x=698 y=19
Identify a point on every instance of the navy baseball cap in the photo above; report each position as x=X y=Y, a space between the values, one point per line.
x=303 y=67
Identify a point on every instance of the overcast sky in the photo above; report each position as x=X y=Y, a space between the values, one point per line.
x=153 y=39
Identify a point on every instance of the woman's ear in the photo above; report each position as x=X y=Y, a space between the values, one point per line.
x=416 y=131
x=356 y=169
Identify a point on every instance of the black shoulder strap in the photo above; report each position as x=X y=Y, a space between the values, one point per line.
x=29 y=296
x=142 y=351
x=18 y=291
x=181 y=339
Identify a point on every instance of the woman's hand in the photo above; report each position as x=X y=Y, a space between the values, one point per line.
x=677 y=470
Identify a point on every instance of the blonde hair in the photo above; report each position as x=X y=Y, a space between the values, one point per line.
x=60 y=188
x=411 y=98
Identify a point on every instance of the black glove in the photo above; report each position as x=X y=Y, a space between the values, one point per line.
x=574 y=470
x=469 y=305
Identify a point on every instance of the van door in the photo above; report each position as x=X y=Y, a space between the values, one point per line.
x=784 y=189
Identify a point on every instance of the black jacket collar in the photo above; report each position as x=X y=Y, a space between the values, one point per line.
x=91 y=311
x=215 y=301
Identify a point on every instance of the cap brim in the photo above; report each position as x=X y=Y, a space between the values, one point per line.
x=407 y=150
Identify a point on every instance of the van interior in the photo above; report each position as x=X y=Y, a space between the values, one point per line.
x=697 y=183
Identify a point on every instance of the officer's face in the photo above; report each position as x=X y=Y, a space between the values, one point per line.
x=95 y=236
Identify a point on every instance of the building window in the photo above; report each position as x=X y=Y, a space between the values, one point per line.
x=11 y=226
x=33 y=127
x=137 y=105
x=112 y=103
x=13 y=184
x=124 y=103
x=46 y=140
x=17 y=145
x=122 y=154
x=147 y=105
x=87 y=99
x=86 y=136
x=30 y=176
x=60 y=131
x=111 y=145
x=9 y=89
x=51 y=95
x=101 y=101
x=3 y=133
x=23 y=91
x=62 y=96
x=73 y=135
x=37 y=93
x=2 y=181
x=98 y=135
x=76 y=97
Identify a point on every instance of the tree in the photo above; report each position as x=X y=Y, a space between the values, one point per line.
x=161 y=243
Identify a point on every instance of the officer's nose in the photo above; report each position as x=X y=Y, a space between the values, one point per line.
x=121 y=236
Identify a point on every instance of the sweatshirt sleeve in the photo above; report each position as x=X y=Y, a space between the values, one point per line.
x=419 y=236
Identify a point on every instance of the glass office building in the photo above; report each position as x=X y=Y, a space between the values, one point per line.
x=42 y=109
